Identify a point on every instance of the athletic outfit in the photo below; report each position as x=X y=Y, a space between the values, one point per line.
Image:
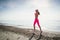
x=36 y=20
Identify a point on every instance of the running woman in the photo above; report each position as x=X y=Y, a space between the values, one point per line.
x=37 y=20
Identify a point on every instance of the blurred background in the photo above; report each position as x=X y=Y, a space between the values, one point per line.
x=21 y=12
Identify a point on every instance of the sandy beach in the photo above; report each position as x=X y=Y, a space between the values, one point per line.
x=13 y=33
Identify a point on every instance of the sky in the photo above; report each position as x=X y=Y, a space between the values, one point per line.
x=22 y=12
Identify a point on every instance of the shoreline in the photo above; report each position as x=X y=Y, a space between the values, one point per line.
x=30 y=27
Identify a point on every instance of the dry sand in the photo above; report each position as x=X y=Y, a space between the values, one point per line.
x=8 y=35
x=12 y=33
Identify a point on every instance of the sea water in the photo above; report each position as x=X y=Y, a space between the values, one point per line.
x=52 y=25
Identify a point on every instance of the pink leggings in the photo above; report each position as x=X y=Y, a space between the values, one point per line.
x=36 y=21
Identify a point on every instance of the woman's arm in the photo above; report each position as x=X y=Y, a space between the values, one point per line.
x=38 y=13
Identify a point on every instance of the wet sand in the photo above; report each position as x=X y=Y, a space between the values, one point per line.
x=13 y=33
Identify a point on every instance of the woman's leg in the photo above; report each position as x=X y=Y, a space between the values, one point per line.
x=34 y=24
x=39 y=25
